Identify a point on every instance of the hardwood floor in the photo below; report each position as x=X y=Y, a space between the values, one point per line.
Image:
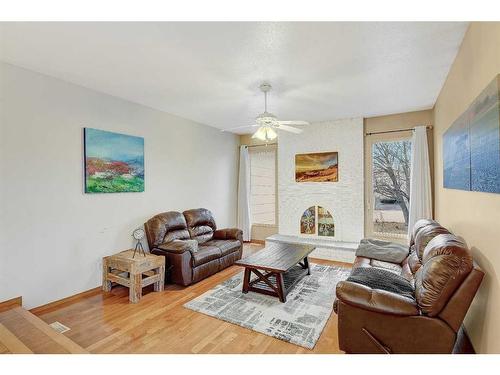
x=23 y=333
x=105 y=322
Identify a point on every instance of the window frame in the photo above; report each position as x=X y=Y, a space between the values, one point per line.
x=369 y=193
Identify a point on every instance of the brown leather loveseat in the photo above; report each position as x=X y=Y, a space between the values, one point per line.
x=193 y=247
x=444 y=279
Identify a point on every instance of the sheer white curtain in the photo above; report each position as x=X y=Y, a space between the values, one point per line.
x=244 y=221
x=420 y=180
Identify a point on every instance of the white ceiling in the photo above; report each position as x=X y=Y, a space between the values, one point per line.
x=210 y=72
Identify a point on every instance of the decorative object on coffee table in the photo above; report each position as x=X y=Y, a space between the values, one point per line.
x=278 y=268
x=142 y=271
x=138 y=234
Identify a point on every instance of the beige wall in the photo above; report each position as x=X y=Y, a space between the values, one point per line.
x=473 y=215
x=261 y=231
x=388 y=123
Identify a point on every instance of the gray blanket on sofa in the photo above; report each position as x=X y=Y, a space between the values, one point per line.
x=382 y=250
x=378 y=278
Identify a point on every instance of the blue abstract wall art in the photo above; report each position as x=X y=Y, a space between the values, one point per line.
x=485 y=141
x=456 y=155
x=471 y=146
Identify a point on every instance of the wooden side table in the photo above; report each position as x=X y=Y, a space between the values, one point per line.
x=142 y=271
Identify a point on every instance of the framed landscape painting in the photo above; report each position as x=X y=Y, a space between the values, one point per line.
x=316 y=167
x=114 y=163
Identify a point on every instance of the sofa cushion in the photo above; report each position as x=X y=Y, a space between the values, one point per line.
x=446 y=263
x=178 y=246
x=418 y=226
x=200 y=223
x=206 y=253
x=178 y=234
x=229 y=234
x=225 y=246
x=166 y=227
x=202 y=233
x=426 y=234
x=367 y=262
x=407 y=274
x=413 y=262
x=383 y=279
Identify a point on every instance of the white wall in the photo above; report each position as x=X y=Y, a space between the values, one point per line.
x=53 y=236
x=344 y=199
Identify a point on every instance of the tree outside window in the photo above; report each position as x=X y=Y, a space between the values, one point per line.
x=391 y=186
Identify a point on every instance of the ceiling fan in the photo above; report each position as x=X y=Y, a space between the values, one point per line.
x=267 y=123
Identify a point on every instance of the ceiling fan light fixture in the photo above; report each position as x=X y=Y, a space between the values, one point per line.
x=268 y=123
x=265 y=134
x=267 y=119
x=260 y=134
x=271 y=134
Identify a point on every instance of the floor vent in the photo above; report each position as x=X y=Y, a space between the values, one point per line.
x=59 y=327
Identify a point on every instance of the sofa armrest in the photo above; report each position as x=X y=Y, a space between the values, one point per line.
x=376 y=300
x=229 y=234
x=178 y=246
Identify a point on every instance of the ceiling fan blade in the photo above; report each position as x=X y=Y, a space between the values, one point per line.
x=294 y=122
x=289 y=129
x=239 y=127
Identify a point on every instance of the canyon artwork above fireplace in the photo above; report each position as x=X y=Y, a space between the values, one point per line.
x=318 y=221
x=317 y=167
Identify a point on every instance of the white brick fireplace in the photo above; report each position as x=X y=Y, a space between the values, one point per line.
x=343 y=199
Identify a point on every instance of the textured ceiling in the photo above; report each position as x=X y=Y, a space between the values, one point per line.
x=210 y=72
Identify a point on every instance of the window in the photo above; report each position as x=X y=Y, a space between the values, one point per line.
x=390 y=162
x=263 y=184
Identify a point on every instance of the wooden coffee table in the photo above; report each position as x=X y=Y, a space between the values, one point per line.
x=278 y=268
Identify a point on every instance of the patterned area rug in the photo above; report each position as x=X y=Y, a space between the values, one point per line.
x=300 y=320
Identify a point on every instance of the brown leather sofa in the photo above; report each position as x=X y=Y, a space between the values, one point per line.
x=445 y=279
x=191 y=244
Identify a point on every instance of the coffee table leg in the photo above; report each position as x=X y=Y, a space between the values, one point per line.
x=246 y=280
x=306 y=264
x=281 y=287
